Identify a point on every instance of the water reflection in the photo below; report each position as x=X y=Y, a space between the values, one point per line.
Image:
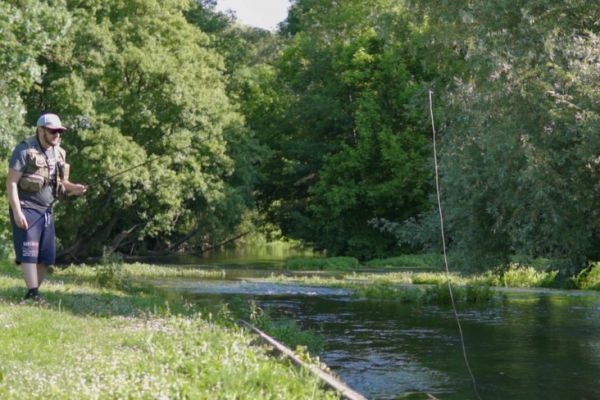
x=269 y=255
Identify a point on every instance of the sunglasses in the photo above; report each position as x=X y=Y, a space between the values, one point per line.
x=54 y=131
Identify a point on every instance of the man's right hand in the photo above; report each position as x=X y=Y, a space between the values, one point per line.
x=21 y=221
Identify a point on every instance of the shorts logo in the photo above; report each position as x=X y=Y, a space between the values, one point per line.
x=31 y=249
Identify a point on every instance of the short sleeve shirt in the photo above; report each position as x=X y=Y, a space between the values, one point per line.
x=18 y=161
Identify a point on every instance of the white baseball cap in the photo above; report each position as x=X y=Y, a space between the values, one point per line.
x=51 y=121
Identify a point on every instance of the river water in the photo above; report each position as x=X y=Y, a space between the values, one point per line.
x=528 y=345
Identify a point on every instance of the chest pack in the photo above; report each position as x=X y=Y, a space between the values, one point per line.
x=36 y=175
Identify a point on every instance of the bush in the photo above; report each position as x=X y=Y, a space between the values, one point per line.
x=331 y=263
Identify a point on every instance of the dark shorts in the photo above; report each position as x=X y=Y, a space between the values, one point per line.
x=36 y=245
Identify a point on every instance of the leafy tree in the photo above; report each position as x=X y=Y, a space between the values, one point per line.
x=520 y=143
x=343 y=131
x=151 y=88
x=28 y=29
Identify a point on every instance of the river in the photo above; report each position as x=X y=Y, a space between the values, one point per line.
x=528 y=345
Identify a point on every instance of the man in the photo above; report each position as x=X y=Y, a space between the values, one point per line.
x=37 y=175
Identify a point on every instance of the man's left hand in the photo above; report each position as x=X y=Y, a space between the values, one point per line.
x=76 y=189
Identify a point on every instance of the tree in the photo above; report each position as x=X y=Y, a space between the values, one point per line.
x=149 y=87
x=520 y=141
x=28 y=29
x=344 y=134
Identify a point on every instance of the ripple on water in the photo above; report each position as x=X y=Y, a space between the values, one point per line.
x=382 y=373
x=224 y=287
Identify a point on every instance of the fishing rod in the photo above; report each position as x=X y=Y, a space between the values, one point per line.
x=110 y=178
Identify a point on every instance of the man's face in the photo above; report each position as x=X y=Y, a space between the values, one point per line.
x=51 y=137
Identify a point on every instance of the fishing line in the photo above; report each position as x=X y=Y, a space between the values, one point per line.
x=439 y=202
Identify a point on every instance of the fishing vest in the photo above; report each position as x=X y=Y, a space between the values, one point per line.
x=36 y=175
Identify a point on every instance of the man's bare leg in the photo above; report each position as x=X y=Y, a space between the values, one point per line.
x=30 y=274
x=41 y=273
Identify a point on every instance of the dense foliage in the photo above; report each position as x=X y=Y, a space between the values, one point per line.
x=346 y=135
x=521 y=144
x=320 y=129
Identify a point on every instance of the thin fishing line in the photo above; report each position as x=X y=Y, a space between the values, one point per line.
x=439 y=202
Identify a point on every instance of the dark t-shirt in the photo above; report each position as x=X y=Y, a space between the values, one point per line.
x=43 y=199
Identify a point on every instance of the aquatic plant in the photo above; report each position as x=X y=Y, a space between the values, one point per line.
x=479 y=294
x=329 y=263
x=430 y=261
x=389 y=292
x=286 y=330
x=439 y=294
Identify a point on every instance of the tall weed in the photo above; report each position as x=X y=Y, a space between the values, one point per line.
x=589 y=278
x=111 y=273
x=526 y=276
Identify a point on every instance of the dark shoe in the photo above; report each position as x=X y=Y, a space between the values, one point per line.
x=39 y=300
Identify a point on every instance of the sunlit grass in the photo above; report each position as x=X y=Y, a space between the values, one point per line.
x=93 y=342
x=524 y=276
x=147 y=270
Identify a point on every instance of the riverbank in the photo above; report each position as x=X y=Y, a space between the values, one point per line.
x=124 y=340
x=429 y=269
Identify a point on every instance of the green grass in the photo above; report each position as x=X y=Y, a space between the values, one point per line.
x=92 y=342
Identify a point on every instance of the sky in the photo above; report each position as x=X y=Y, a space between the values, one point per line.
x=264 y=14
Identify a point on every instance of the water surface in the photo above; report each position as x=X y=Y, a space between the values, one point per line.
x=531 y=345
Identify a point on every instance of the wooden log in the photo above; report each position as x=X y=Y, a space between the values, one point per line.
x=329 y=380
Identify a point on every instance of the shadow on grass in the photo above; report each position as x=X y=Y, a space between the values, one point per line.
x=91 y=301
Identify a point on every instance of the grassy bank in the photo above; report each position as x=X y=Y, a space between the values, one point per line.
x=92 y=342
x=429 y=269
x=401 y=283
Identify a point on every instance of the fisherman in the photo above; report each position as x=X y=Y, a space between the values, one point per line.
x=37 y=176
